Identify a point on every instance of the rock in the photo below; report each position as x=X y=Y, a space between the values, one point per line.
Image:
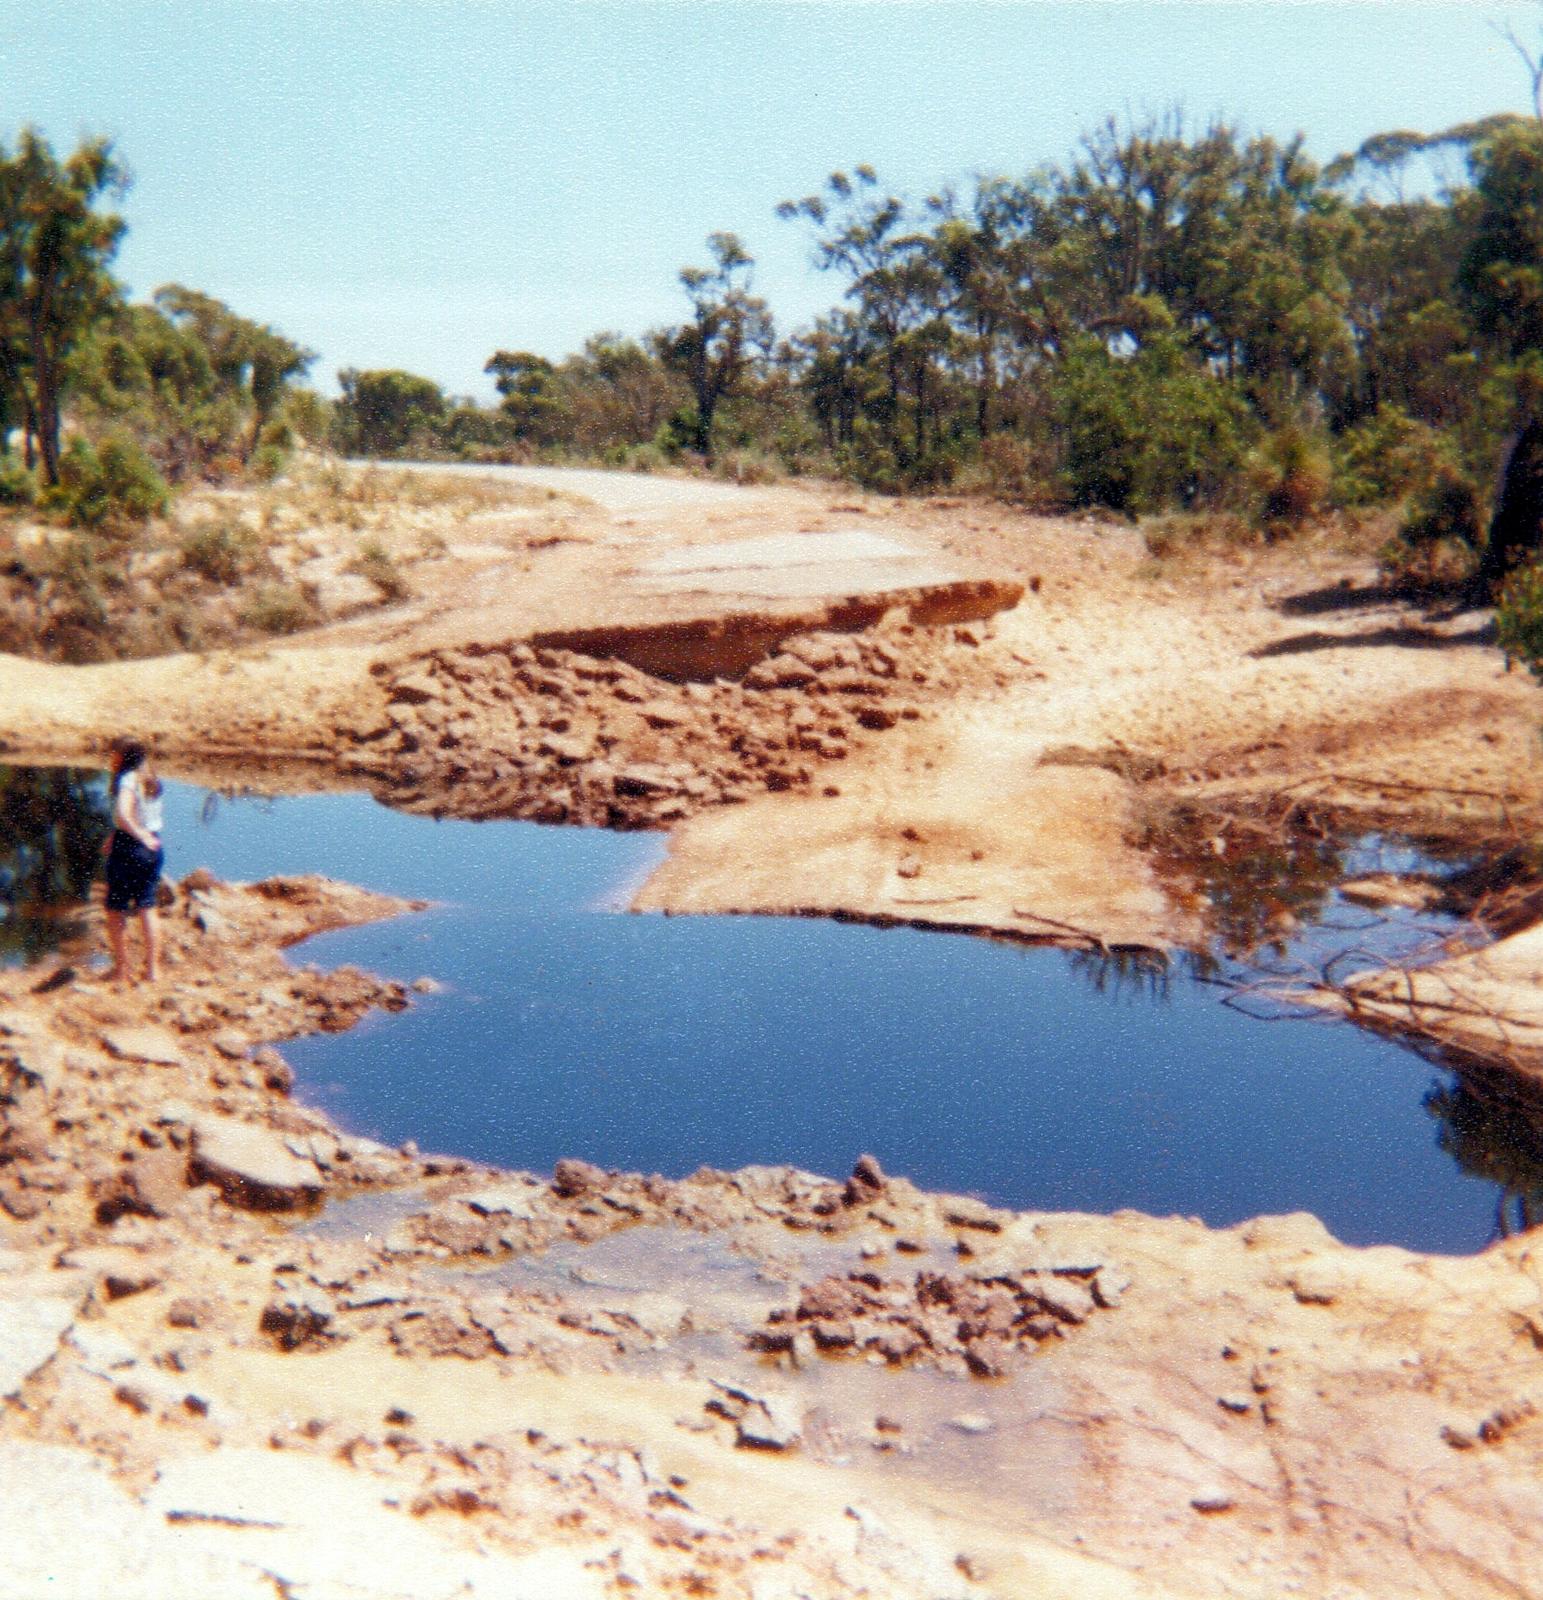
x=153 y=1184
x=426 y=986
x=661 y=714
x=297 y=1319
x=1066 y=1299
x=199 y=881
x=867 y=1182
x=251 y=1167
x=780 y=671
x=233 y=1046
x=572 y=1178
x=39 y=1064
x=877 y=718
x=414 y=690
x=769 y=1422
x=1315 y=1285
x=961 y=1211
x=640 y=780
x=30 y=1331
x=974 y=1422
x=508 y=1200
x=148 y=1044
x=102 y=1349
x=186 y=1312
x=1211 y=1502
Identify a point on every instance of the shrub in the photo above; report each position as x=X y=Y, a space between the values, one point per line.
x=1519 y=617
x=1290 y=477
x=1384 y=457
x=376 y=563
x=222 y=551
x=18 y=485
x=1443 y=530
x=747 y=466
x=268 y=462
x=279 y=608
x=1149 y=431
x=106 y=486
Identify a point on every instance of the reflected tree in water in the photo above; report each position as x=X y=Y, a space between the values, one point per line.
x=1499 y=1142
x=53 y=821
x=1123 y=973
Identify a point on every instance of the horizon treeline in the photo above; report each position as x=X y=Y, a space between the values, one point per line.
x=1172 y=319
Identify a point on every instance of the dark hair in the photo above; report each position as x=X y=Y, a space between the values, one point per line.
x=131 y=753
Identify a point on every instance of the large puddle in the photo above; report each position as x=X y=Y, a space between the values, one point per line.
x=1033 y=1078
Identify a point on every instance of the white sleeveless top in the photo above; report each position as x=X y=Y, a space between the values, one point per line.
x=134 y=805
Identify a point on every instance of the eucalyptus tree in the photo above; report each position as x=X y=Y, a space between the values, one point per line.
x=383 y=413
x=1501 y=280
x=530 y=396
x=55 y=245
x=250 y=359
x=730 y=329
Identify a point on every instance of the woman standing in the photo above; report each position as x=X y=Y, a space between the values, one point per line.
x=134 y=857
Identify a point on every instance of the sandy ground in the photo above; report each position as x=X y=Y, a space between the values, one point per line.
x=230 y=1331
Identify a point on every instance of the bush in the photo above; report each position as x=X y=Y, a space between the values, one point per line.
x=747 y=466
x=268 y=462
x=1290 y=477
x=222 y=551
x=375 y=562
x=1147 y=432
x=1442 y=533
x=1385 y=457
x=1519 y=617
x=279 y=608
x=18 y=485
x=106 y=486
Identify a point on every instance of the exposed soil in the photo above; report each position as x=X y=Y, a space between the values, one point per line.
x=835 y=706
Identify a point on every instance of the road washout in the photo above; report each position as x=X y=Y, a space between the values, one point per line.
x=1165 y=1408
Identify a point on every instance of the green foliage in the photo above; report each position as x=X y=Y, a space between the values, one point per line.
x=387 y=413
x=106 y=486
x=54 y=285
x=1384 y=457
x=1442 y=532
x=716 y=351
x=1519 y=617
x=376 y=563
x=1148 y=431
x=1501 y=275
x=223 y=550
x=279 y=608
x=1290 y=474
x=18 y=485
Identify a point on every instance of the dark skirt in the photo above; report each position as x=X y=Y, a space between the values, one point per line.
x=133 y=873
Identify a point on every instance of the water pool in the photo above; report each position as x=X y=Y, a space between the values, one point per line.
x=662 y=1044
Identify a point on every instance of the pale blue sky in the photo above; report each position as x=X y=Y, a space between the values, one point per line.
x=417 y=183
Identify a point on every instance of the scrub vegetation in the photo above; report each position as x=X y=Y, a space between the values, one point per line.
x=1192 y=325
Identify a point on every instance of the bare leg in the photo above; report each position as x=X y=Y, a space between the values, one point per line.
x=117 y=943
x=151 y=926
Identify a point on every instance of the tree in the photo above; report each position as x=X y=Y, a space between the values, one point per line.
x=532 y=396
x=729 y=327
x=380 y=412
x=250 y=358
x=54 y=249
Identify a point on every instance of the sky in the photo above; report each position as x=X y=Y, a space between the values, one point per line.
x=418 y=183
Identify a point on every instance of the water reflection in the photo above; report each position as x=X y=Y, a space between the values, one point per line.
x=660 y=1043
x=1495 y=1141
x=1123 y=974
x=53 y=821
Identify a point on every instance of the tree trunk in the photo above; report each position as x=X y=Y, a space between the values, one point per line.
x=1516 y=528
